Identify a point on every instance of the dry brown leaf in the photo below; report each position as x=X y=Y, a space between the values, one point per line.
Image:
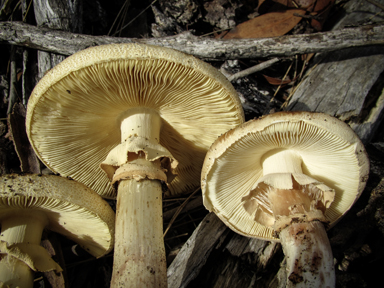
x=277 y=81
x=321 y=10
x=268 y=25
x=322 y=5
x=307 y=57
x=318 y=8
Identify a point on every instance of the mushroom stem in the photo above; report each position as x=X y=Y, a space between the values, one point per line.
x=23 y=227
x=304 y=240
x=308 y=255
x=139 y=246
x=303 y=237
x=143 y=122
x=139 y=257
x=20 y=227
x=281 y=161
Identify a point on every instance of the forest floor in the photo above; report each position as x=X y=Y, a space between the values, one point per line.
x=356 y=241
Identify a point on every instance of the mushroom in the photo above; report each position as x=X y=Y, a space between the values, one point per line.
x=134 y=116
x=31 y=203
x=285 y=177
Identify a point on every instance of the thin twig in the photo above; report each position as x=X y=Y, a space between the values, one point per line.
x=188 y=222
x=299 y=77
x=175 y=199
x=177 y=236
x=24 y=93
x=178 y=211
x=253 y=69
x=26 y=12
x=117 y=17
x=296 y=64
x=66 y=43
x=213 y=32
x=13 y=79
x=123 y=18
x=308 y=57
x=192 y=204
x=381 y=6
x=315 y=17
x=285 y=104
x=281 y=83
x=38 y=279
x=137 y=16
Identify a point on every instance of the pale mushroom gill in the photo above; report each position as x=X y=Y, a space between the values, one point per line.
x=240 y=169
x=122 y=89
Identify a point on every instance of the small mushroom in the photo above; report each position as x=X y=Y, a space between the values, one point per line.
x=31 y=203
x=134 y=116
x=282 y=178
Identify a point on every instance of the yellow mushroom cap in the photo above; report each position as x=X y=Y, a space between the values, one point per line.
x=75 y=111
x=72 y=209
x=329 y=150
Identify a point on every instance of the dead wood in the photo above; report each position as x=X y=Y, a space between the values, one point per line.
x=65 y=43
x=63 y=15
x=29 y=162
x=197 y=202
x=192 y=257
x=214 y=256
x=53 y=18
x=212 y=235
x=347 y=84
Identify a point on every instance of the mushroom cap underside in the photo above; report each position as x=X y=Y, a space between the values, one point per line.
x=71 y=208
x=330 y=152
x=75 y=111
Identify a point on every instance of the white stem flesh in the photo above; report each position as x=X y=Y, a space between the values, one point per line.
x=285 y=161
x=305 y=244
x=141 y=122
x=21 y=227
x=139 y=255
x=308 y=255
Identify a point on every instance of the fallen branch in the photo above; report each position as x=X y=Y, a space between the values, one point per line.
x=66 y=43
x=12 y=85
x=253 y=69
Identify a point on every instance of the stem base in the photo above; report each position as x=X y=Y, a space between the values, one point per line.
x=139 y=256
x=308 y=255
